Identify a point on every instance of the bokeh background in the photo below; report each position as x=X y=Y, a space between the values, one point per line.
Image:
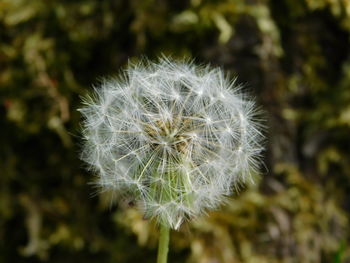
x=293 y=55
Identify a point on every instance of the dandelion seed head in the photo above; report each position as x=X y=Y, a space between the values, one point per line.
x=177 y=137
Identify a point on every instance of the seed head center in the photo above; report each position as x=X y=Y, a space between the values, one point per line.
x=169 y=133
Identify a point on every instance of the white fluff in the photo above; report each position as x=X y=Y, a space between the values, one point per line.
x=174 y=136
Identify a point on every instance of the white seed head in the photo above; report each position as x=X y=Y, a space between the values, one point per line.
x=176 y=137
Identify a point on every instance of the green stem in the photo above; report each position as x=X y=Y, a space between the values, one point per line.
x=163 y=245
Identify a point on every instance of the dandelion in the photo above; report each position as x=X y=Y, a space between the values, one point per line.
x=175 y=137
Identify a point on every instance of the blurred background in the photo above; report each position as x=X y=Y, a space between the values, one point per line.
x=293 y=55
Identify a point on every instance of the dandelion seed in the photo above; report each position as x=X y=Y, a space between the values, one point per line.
x=175 y=137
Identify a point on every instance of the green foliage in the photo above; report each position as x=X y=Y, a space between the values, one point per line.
x=294 y=54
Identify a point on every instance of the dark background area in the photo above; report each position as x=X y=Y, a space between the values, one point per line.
x=293 y=55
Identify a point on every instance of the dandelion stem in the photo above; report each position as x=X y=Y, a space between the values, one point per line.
x=163 y=245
